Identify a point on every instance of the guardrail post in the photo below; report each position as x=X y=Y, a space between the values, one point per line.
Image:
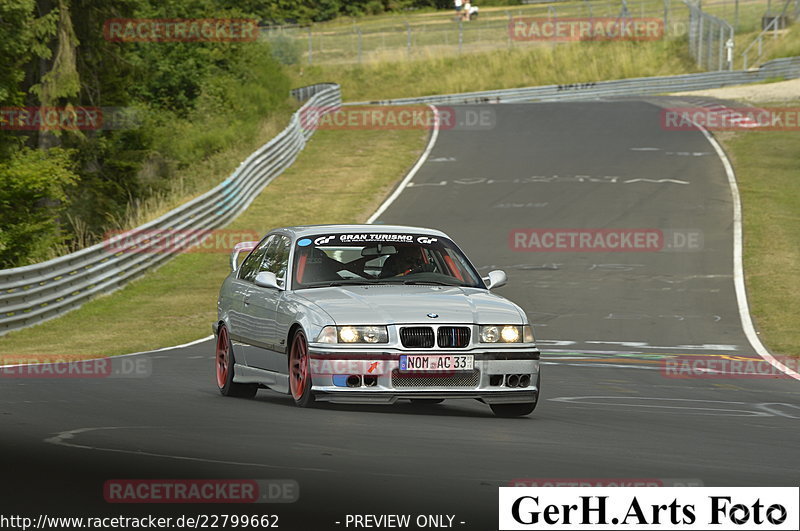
x=729 y=47
x=460 y=35
x=733 y=47
x=666 y=16
x=709 y=58
x=721 y=46
x=699 y=55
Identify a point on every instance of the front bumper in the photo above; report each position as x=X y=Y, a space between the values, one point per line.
x=489 y=381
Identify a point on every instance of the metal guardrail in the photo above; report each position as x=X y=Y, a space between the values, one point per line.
x=32 y=294
x=788 y=68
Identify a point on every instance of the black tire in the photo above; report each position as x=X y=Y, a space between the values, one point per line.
x=225 y=364
x=299 y=372
x=519 y=410
x=513 y=410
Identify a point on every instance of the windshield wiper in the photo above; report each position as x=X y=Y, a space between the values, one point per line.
x=365 y=282
x=434 y=282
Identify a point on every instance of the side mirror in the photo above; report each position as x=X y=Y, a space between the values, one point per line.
x=267 y=279
x=240 y=248
x=495 y=279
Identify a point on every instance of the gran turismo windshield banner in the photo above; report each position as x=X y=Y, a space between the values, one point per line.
x=366 y=237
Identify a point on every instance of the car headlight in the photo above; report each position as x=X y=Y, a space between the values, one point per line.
x=506 y=334
x=327 y=335
x=353 y=334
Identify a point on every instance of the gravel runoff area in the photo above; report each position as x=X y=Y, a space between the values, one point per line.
x=758 y=93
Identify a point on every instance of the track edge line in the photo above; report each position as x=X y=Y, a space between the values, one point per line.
x=420 y=161
x=738 y=268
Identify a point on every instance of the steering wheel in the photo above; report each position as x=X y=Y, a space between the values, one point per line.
x=421 y=268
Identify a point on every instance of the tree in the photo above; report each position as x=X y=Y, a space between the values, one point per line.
x=33 y=188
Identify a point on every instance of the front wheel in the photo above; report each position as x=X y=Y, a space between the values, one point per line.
x=519 y=410
x=299 y=372
x=225 y=365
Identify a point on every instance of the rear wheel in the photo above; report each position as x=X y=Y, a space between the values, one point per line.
x=299 y=372
x=225 y=365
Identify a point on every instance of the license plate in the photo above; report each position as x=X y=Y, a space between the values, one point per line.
x=437 y=362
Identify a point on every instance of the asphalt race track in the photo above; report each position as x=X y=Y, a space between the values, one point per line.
x=604 y=320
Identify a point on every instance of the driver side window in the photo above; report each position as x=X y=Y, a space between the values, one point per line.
x=277 y=258
x=252 y=264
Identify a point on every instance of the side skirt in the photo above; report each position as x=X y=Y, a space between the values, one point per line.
x=275 y=381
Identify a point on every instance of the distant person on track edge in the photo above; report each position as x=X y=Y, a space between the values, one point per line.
x=459 y=9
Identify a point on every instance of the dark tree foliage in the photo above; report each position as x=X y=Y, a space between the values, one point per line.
x=63 y=188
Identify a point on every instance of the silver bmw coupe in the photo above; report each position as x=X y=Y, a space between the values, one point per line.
x=371 y=314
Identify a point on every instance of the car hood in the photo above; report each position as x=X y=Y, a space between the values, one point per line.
x=401 y=304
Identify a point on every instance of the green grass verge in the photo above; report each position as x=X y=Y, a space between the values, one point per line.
x=766 y=166
x=499 y=69
x=341 y=177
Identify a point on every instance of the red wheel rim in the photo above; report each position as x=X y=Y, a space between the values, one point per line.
x=223 y=358
x=298 y=366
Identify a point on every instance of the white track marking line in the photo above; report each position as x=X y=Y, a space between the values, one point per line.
x=738 y=272
x=579 y=400
x=603 y=365
x=60 y=439
x=63 y=438
x=391 y=199
x=184 y=345
x=769 y=408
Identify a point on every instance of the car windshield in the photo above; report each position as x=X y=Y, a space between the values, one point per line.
x=380 y=258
